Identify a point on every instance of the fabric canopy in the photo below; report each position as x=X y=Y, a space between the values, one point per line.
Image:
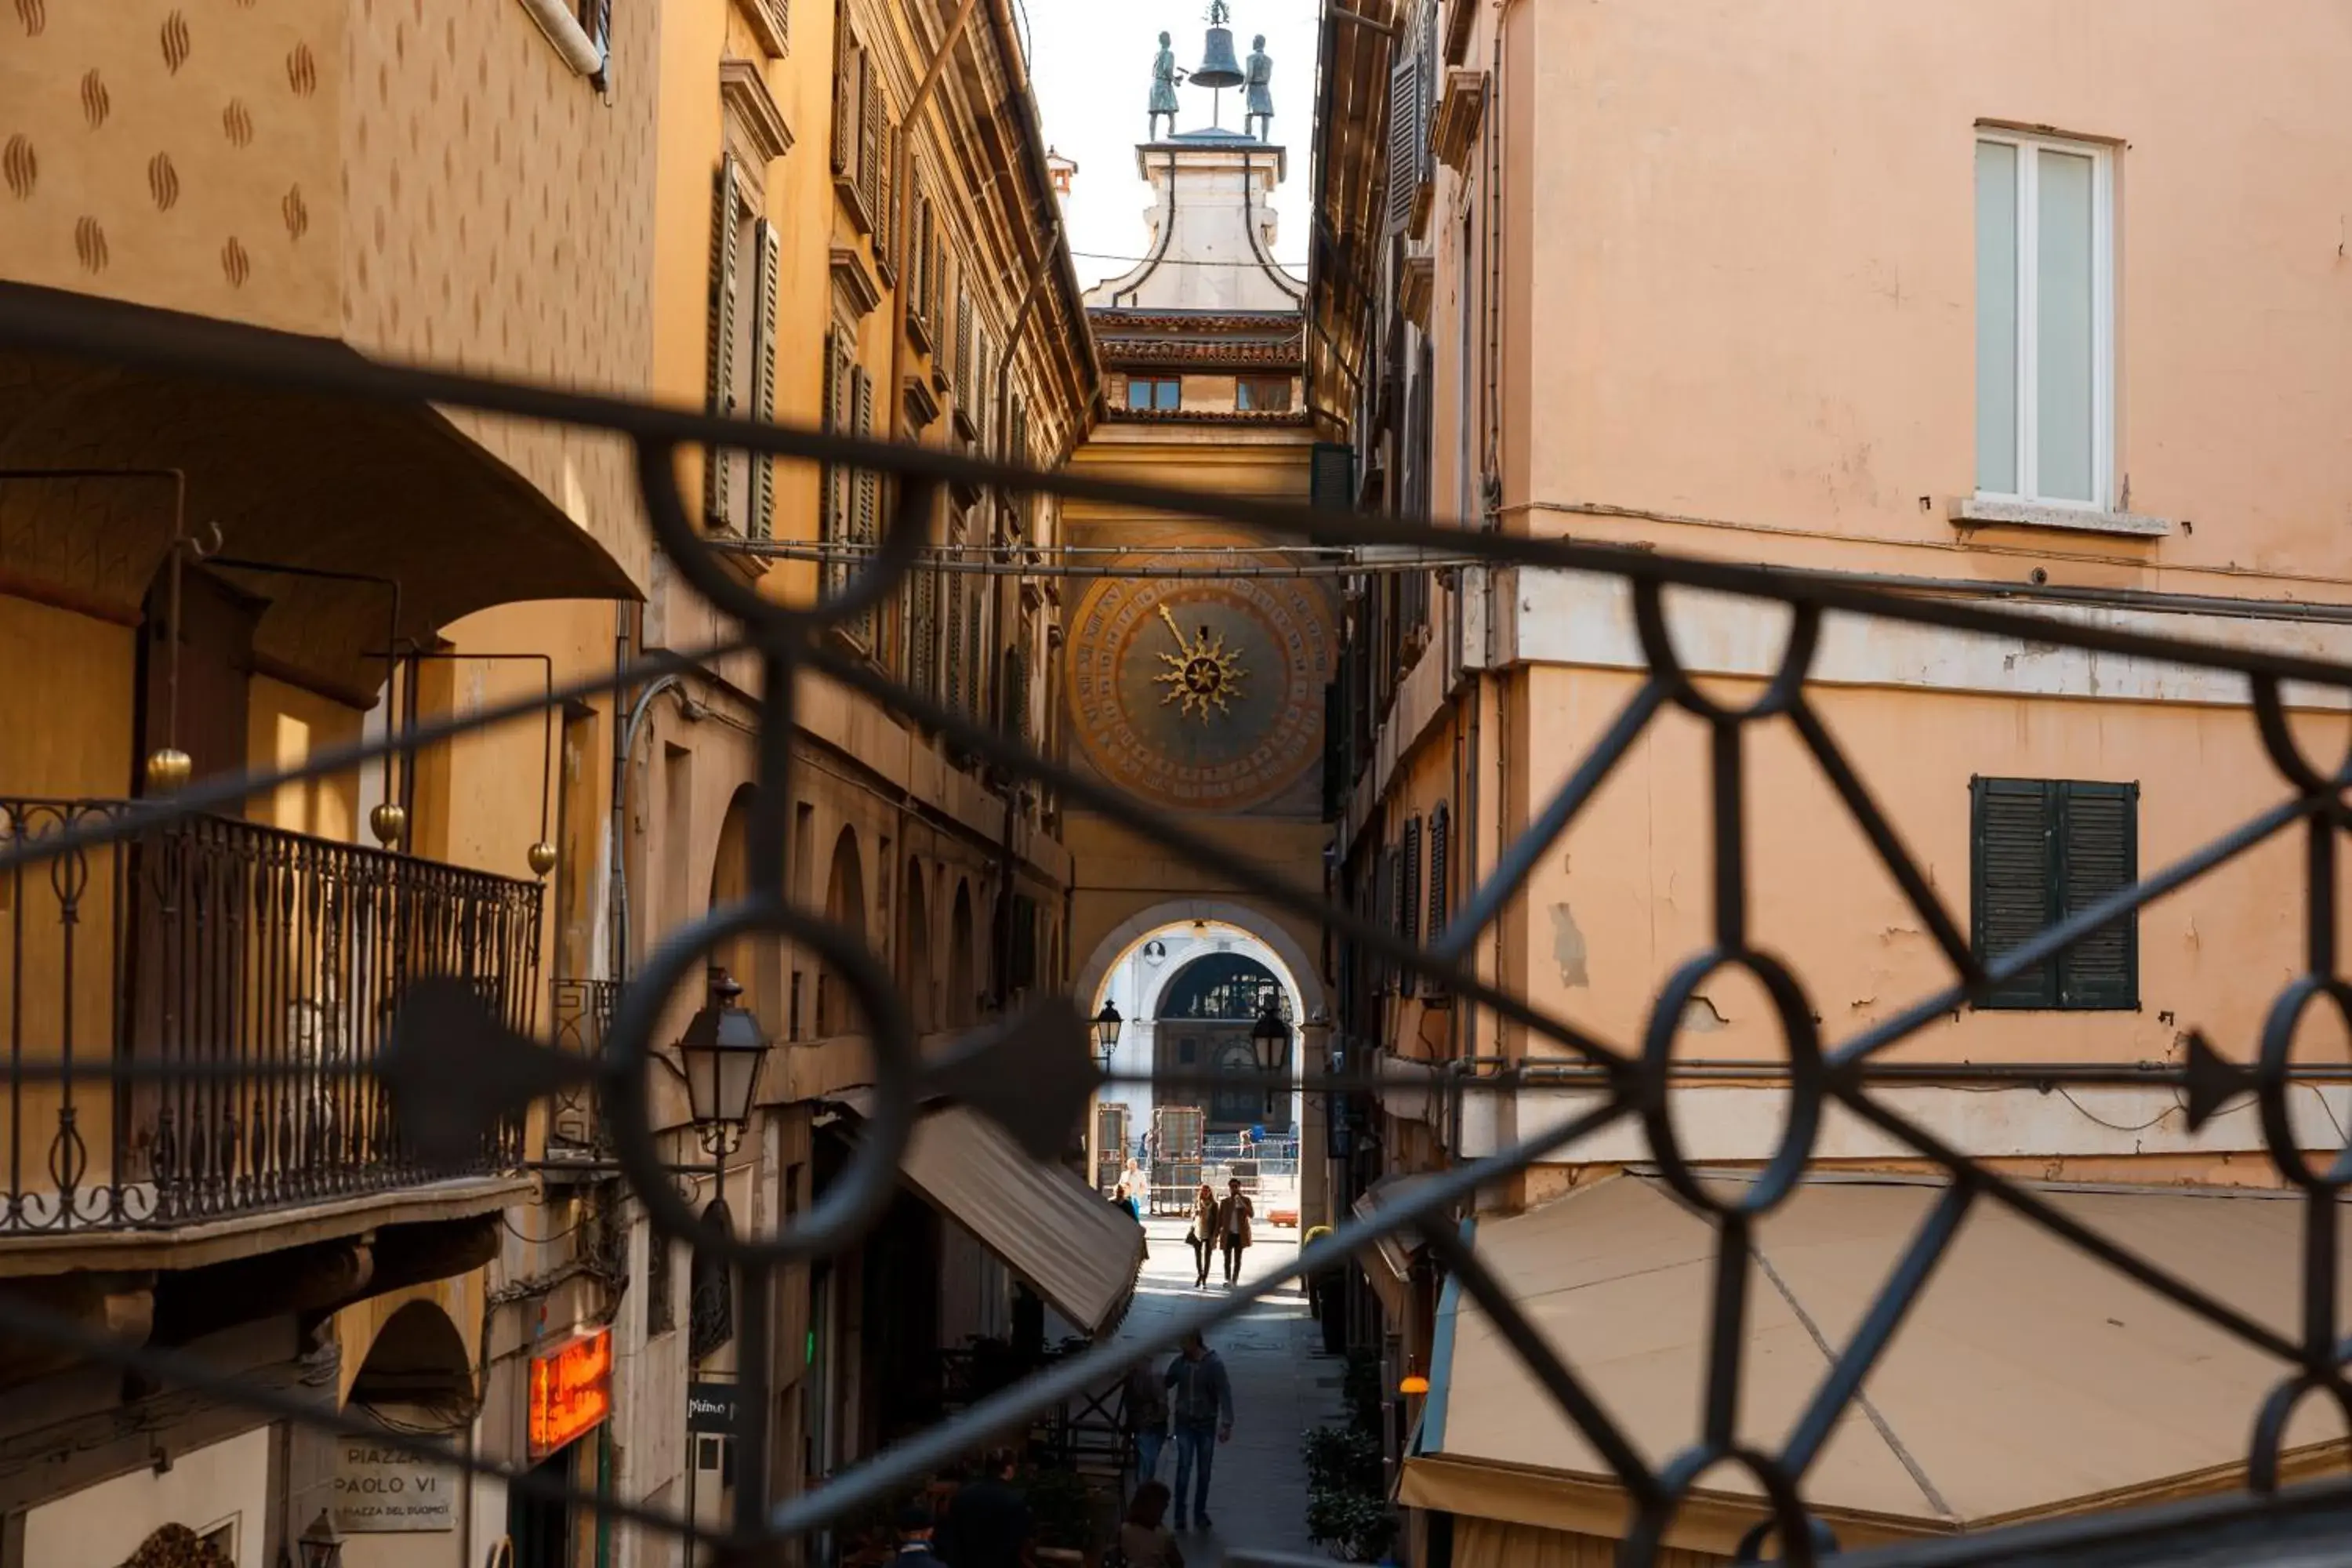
x=2030 y=1379
x=1061 y=1237
x=1388 y=1262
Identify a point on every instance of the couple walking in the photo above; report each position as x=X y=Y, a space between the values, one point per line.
x=1194 y=1400
x=1220 y=1225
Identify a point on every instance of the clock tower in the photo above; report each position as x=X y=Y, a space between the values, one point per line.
x=1196 y=666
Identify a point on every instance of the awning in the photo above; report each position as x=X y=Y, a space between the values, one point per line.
x=1060 y=1236
x=1388 y=1262
x=2029 y=1380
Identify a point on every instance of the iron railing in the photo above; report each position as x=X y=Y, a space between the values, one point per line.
x=190 y=1007
x=461 y=1078
x=582 y=1016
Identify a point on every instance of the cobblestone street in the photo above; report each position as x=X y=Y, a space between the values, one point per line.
x=1283 y=1385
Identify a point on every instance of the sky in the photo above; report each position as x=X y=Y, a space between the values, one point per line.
x=1091 y=64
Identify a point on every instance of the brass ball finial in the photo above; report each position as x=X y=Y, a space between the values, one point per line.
x=542 y=858
x=388 y=822
x=168 y=769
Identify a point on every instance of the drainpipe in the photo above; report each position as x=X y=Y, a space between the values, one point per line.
x=901 y=200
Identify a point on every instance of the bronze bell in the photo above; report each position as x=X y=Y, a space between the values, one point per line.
x=1220 y=67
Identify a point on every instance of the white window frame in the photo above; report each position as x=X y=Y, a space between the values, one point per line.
x=2029 y=302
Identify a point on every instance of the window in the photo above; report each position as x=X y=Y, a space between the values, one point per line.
x=2043 y=849
x=1155 y=392
x=739 y=492
x=661 y=1290
x=1264 y=394
x=2044 y=336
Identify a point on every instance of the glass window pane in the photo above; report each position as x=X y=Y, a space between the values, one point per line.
x=2064 y=334
x=1997 y=318
x=1168 y=391
x=1138 y=393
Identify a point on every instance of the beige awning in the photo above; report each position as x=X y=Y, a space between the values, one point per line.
x=1060 y=1236
x=2029 y=1380
x=1388 y=1262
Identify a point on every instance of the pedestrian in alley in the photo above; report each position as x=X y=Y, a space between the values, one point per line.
x=1147 y=1418
x=1202 y=1237
x=1233 y=1213
x=1144 y=1540
x=988 y=1525
x=1203 y=1408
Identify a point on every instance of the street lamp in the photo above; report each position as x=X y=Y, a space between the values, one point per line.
x=1271 y=1036
x=322 y=1544
x=1108 y=1023
x=724 y=1052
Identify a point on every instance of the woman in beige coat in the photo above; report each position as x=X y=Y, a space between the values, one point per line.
x=1204 y=1234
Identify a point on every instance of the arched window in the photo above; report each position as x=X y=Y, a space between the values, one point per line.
x=1223 y=987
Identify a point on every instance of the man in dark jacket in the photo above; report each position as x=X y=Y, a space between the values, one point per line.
x=988 y=1522
x=1203 y=1404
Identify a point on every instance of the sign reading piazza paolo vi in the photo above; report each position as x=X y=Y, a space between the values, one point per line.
x=1199 y=695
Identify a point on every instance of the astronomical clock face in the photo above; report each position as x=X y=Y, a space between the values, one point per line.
x=1201 y=696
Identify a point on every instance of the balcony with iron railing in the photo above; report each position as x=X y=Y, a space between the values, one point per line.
x=190 y=1018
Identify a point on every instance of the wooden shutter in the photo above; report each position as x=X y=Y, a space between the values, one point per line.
x=2098 y=841
x=868 y=498
x=871 y=139
x=1409 y=902
x=963 y=350
x=2009 y=886
x=1441 y=832
x=886 y=210
x=974 y=671
x=763 y=382
x=1404 y=139
x=923 y=635
x=845 y=91
x=953 y=695
x=719 y=375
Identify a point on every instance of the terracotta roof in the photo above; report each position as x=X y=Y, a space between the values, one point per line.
x=1119 y=353
x=1208 y=416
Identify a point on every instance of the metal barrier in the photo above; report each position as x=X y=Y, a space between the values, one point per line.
x=1032 y=1085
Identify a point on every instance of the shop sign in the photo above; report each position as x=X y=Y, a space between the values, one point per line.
x=710 y=1407
x=381 y=1490
x=571 y=1390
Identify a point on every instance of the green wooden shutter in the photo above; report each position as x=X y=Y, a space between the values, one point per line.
x=870 y=143
x=2010 y=893
x=763 y=382
x=2098 y=841
x=1404 y=139
x=1441 y=830
x=845 y=91
x=869 y=498
x=718 y=370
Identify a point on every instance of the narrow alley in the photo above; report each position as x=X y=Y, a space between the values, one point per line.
x=1284 y=1386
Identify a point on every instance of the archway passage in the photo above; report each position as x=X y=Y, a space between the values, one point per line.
x=1190 y=991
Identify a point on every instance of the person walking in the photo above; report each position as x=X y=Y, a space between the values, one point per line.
x=1203 y=1233
x=1233 y=1213
x=1147 y=1419
x=1144 y=1541
x=1203 y=1408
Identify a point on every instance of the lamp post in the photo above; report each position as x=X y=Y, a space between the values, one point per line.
x=1108 y=1023
x=1271 y=1036
x=321 y=1545
x=723 y=1051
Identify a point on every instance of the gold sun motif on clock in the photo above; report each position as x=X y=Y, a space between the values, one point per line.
x=1202 y=674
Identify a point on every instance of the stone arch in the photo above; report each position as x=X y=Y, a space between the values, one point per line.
x=845 y=906
x=755 y=962
x=418 y=1364
x=963 y=969
x=1123 y=938
x=915 y=941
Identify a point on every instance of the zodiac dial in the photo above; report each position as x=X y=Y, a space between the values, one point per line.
x=1201 y=695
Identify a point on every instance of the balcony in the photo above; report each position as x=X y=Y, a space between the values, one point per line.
x=583 y=1013
x=188 y=1019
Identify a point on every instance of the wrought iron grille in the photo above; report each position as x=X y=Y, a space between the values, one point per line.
x=461 y=1067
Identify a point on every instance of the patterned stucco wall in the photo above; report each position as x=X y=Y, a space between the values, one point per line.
x=176 y=153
